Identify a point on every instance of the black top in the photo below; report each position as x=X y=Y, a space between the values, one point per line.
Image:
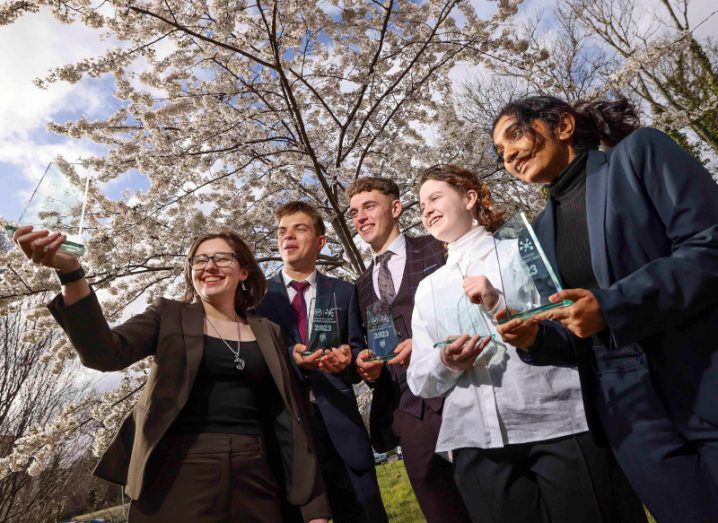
x=227 y=400
x=573 y=252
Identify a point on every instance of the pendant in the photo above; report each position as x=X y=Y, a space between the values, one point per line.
x=239 y=363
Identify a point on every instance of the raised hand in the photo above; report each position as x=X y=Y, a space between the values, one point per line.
x=42 y=247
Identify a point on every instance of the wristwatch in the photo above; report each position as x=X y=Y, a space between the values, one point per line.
x=69 y=277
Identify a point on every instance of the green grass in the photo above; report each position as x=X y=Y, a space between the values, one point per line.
x=396 y=492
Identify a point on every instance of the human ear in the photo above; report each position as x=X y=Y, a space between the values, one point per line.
x=396 y=208
x=471 y=197
x=566 y=127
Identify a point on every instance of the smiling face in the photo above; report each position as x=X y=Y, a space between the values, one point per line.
x=535 y=158
x=216 y=284
x=299 y=242
x=376 y=218
x=446 y=212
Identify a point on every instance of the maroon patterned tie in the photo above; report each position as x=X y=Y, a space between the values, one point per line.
x=299 y=306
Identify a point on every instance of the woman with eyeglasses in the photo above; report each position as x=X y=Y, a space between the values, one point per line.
x=219 y=433
x=517 y=434
x=632 y=230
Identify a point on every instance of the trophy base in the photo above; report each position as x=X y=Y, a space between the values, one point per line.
x=386 y=357
x=533 y=312
x=74 y=248
x=310 y=352
x=452 y=339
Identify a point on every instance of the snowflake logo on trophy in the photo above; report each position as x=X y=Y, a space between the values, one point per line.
x=526 y=245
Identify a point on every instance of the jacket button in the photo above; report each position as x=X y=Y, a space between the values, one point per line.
x=299 y=420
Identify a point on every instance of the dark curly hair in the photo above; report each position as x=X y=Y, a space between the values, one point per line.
x=601 y=122
x=463 y=181
x=255 y=283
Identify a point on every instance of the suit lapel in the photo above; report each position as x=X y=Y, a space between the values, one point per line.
x=279 y=300
x=267 y=345
x=325 y=288
x=546 y=232
x=193 y=334
x=596 y=191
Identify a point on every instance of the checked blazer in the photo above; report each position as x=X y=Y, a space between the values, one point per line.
x=424 y=255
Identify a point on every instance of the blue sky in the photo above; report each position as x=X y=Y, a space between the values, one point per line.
x=36 y=43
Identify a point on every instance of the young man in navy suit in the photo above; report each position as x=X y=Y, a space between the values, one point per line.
x=397 y=416
x=345 y=456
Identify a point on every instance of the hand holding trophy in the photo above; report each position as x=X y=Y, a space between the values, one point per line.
x=57 y=204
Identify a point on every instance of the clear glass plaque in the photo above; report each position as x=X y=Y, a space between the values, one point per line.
x=323 y=325
x=527 y=276
x=57 y=204
x=382 y=337
x=456 y=317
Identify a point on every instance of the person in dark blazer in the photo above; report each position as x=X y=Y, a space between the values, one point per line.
x=328 y=375
x=633 y=232
x=220 y=431
x=398 y=417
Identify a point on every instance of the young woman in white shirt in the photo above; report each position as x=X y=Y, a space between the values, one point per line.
x=517 y=433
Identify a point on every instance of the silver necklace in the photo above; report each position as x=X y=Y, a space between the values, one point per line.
x=238 y=362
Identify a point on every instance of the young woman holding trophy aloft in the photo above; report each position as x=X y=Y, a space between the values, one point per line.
x=220 y=427
x=517 y=434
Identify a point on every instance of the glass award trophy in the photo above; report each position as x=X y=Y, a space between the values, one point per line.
x=527 y=277
x=323 y=325
x=454 y=319
x=57 y=204
x=382 y=337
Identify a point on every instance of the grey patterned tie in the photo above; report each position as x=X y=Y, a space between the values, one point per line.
x=387 y=293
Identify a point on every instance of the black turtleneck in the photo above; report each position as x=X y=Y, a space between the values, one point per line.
x=573 y=252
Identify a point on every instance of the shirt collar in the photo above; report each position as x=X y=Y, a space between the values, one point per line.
x=398 y=247
x=311 y=279
x=478 y=241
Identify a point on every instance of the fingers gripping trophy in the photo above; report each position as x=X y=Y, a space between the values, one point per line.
x=51 y=226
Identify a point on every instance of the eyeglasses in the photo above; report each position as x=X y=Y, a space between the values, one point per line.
x=220 y=259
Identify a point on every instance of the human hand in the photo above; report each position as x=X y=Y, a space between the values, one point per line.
x=519 y=332
x=403 y=353
x=368 y=370
x=583 y=318
x=480 y=291
x=41 y=247
x=336 y=359
x=460 y=354
x=307 y=363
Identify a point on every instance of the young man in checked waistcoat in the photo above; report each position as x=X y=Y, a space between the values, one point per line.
x=398 y=264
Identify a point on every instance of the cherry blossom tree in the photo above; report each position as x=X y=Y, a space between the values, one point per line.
x=229 y=109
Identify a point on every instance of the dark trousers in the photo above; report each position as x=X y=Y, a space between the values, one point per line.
x=565 y=480
x=354 y=495
x=669 y=453
x=430 y=475
x=203 y=478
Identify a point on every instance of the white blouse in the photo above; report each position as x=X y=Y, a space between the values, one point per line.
x=501 y=400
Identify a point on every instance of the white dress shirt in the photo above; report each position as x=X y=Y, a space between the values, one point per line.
x=395 y=264
x=501 y=400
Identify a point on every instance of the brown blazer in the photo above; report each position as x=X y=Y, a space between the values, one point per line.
x=173 y=332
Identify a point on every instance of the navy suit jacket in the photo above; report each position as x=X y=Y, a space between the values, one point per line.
x=653 y=231
x=334 y=392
